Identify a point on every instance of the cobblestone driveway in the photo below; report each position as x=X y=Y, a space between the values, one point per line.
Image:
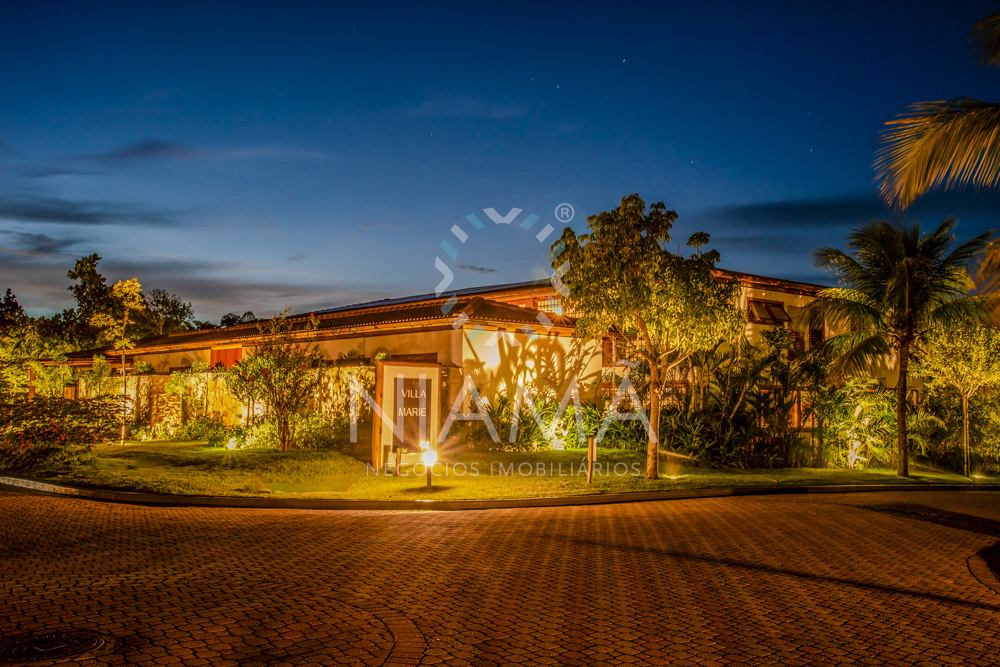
x=878 y=579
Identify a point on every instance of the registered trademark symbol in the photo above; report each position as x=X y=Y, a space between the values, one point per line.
x=564 y=213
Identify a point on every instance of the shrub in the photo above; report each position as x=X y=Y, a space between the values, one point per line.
x=317 y=430
x=199 y=428
x=48 y=429
x=311 y=430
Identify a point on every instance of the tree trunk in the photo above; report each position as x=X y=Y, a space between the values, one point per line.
x=283 y=433
x=965 y=435
x=904 y=468
x=652 y=448
x=124 y=399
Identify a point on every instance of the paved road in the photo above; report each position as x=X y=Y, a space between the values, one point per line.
x=878 y=578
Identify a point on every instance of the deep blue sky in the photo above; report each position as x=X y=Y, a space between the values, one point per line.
x=251 y=156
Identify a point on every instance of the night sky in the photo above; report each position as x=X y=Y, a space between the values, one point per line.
x=252 y=156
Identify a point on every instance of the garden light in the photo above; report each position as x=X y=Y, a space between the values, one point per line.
x=232 y=444
x=428 y=458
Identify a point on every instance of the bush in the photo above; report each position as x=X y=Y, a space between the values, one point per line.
x=312 y=430
x=316 y=430
x=200 y=428
x=52 y=429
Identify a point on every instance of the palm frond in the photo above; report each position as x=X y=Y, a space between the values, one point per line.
x=846 y=308
x=856 y=352
x=960 y=311
x=944 y=143
x=988 y=274
x=985 y=38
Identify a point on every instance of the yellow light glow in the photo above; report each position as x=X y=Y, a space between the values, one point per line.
x=429 y=458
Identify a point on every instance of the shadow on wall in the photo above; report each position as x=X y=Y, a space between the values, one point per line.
x=545 y=365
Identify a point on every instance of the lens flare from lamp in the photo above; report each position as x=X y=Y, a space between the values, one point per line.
x=429 y=457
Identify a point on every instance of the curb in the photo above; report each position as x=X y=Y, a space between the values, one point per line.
x=170 y=500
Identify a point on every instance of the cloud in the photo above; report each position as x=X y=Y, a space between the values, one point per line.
x=296 y=258
x=467 y=107
x=267 y=153
x=39 y=243
x=147 y=150
x=62 y=211
x=155 y=149
x=391 y=226
x=811 y=212
x=214 y=288
x=49 y=172
x=475 y=269
x=849 y=211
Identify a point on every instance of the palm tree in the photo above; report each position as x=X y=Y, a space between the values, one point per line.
x=897 y=284
x=949 y=143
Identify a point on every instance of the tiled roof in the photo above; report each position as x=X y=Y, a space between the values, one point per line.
x=470 y=291
x=379 y=315
x=419 y=310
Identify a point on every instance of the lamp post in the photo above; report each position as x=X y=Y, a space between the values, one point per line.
x=428 y=458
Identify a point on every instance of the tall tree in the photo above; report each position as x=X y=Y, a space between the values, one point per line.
x=91 y=292
x=966 y=358
x=120 y=330
x=949 y=143
x=622 y=277
x=10 y=310
x=285 y=372
x=243 y=380
x=166 y=313
x=232 y=319
x=898 y=284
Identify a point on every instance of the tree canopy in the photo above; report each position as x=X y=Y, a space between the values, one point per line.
x=965 y=357
x=622 y=278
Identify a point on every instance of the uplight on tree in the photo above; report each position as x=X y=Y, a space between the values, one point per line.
x=119 y=328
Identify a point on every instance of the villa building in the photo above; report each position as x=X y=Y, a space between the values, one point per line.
x=499 y=336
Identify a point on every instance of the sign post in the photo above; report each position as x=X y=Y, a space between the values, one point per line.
x=408 y=394
x=591 y=457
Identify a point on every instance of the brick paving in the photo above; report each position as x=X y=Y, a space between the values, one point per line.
x=859 y=579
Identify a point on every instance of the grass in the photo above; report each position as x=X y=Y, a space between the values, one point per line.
x=193 y=468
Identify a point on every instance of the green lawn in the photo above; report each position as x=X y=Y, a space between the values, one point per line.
x=193 y=468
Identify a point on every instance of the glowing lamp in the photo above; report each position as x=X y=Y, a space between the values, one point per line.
x=428 y=458
x=232 y=444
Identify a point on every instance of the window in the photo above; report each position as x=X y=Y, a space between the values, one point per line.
x=607 y=352
x=227 y=356
x=550 y=305
x=767 y=312
x=815 y=337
